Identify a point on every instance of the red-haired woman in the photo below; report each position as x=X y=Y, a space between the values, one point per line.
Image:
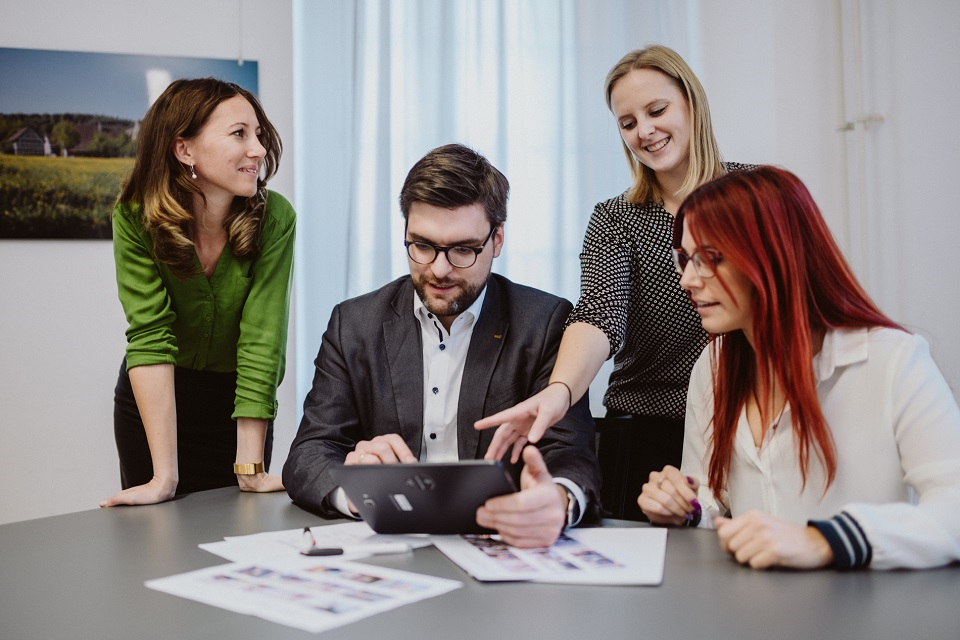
x=821 y=430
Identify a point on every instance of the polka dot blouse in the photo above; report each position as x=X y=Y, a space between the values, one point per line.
x=630 y=290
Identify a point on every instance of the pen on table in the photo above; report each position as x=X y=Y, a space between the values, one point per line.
x=376 y=549
x=310 y=547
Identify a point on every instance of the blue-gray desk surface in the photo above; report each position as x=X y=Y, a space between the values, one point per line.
x=81 y=575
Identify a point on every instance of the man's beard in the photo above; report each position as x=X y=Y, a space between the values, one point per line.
x=449 y=306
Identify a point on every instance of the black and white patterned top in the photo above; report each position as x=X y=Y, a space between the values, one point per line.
x=630 y=290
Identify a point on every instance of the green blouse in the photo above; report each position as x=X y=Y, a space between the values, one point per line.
x=235 y=321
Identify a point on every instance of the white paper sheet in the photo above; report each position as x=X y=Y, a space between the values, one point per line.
x=628 y=556
x=261 y=547
x=313 y=596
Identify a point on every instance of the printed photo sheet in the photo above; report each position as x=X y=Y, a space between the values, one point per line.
x=313 y=596
x=602 y=556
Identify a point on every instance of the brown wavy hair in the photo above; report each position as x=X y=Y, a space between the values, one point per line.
x=163 y=189
x=705 y=161
x=766 y=224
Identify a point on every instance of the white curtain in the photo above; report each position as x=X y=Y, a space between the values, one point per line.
x=378 y=83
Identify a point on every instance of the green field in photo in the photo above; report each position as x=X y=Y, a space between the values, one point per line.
x=50 y=197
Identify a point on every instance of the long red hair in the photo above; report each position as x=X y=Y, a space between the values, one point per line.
x=766 y=224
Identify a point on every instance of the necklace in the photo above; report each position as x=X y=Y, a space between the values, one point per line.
x=773 y=427
x=776 y=423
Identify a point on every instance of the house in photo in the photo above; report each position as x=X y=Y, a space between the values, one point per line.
x=27 y=142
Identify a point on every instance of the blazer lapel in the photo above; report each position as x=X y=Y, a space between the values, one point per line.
x=404 y=353
x=483 y=354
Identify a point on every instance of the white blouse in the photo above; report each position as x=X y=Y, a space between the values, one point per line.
x=895 y=501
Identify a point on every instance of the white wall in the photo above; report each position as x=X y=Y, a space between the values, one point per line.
x=769 y=69
x=61 y=325
x=911 y=217
x=780 y=76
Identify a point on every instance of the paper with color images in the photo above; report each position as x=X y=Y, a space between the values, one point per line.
x=616 y=556
x=316 y=596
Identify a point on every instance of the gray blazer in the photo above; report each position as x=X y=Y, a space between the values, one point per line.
x=369 y=382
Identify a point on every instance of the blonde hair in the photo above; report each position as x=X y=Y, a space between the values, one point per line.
x=163 y=188
x=705 y=162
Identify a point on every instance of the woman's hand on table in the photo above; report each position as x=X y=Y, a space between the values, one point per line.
x=157 y=490
x=669 y=497
x=760 y=540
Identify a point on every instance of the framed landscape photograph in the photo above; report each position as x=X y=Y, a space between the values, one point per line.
x=68 y=132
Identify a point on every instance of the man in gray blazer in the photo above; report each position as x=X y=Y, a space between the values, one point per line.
x=403 y=372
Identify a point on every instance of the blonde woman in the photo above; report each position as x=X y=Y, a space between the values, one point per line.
x=631 y=305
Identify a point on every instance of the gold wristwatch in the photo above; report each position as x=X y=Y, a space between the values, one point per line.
x=248 y=469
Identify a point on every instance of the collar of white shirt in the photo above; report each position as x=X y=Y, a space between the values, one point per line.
x=470 y=314
x=841 y=348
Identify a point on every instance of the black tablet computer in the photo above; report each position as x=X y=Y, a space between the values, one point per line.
x=438 y=498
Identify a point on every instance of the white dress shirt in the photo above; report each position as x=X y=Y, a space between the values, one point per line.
x=444 y=356
x=895 y=501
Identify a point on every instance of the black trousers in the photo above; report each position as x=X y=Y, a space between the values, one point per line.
x=206 y=434
x=630 y=447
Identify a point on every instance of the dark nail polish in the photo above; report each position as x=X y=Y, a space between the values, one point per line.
x=696 y=504
x=690 y=481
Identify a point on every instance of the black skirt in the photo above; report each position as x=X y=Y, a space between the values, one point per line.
x=206 y=434
x=629 y=447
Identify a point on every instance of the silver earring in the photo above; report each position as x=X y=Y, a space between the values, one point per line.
x=193 y=172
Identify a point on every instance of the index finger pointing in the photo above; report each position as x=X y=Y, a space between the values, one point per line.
x=497 y=419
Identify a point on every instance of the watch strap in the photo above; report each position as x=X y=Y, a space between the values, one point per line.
x=572 y=507
x=248 y=468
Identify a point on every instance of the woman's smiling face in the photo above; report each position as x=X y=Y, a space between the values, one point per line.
x=227 y=154
x=654 y=120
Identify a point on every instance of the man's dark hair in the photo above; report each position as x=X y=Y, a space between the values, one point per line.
x=455 y=176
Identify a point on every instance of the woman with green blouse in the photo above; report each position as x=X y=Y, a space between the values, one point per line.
x=204 y=259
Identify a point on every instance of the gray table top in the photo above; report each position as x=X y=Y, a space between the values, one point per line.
x=81 y=575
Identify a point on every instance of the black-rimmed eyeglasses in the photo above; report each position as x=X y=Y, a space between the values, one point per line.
x=704 y=261
x=458 y=255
